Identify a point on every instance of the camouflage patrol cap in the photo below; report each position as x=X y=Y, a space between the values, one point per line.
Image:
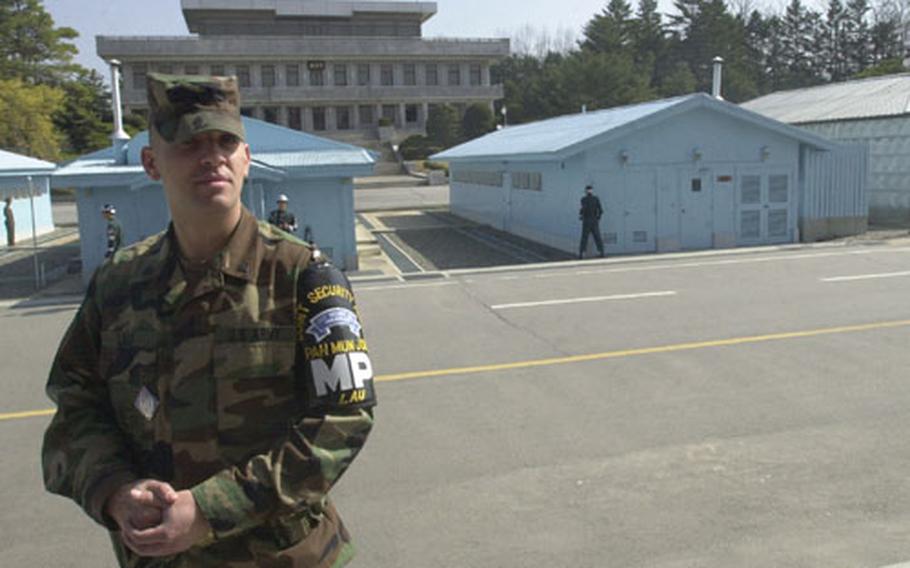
x=181 y=106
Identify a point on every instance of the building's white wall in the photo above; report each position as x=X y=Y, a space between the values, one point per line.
x=324 y=204
x=141 y=213
x=888 y=140
x=22 y=213
x=327 y=207
x=660 y=162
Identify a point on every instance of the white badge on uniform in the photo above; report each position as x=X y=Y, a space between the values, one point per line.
x=146 y=403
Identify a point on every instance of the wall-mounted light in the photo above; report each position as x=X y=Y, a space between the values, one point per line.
x=624 y=157
x=696 y=154
x=765 y=153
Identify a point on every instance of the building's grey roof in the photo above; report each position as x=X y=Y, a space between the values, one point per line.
x=314 y=8
x=17 y=164
x=567 y=135
x=864 y=98
x=315 y=158
x=275 y=149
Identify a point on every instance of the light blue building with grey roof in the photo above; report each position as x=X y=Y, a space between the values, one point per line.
x=685 y=173
x=315 y=173
x=874 y=113
x=25 y=180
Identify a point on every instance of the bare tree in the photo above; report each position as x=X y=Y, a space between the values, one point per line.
x=539 y=42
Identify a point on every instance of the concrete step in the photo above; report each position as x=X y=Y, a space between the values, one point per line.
x=385 y=181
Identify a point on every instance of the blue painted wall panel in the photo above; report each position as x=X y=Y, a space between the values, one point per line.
x=22 y=211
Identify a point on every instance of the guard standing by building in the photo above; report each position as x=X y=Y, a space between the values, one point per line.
x=281 y=218
x=9 y=220
x=590 y=214
x=215 y=383
x=114 y=230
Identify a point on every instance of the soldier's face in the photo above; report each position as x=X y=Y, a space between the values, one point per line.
x=283 y=205
x=202 y=175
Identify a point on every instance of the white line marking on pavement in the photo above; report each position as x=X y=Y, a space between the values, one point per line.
x=670 y=264
x=866 y=276
x=581 y=300
x=901 y=565
x=399 y=286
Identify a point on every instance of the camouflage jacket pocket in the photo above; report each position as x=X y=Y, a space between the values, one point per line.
x=129 y=363
x=255 y=389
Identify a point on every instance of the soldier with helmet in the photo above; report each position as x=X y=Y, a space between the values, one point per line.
x=215 y=383
x=114 y=230
x=281 y=217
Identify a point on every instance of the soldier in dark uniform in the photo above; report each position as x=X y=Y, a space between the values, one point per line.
x=215 y=383
x=114 y=230
x=10 y=221
x=281 y=218
x=590 y=214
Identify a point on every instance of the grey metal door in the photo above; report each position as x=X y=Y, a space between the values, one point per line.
x=640 y=211
x=696 y=209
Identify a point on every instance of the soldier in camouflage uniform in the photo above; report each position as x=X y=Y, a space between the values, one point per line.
x=215 y=383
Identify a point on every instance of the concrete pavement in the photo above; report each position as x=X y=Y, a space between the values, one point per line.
x=742 y=409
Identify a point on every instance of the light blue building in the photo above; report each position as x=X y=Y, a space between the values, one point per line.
x=873 y=112
x=315 y=173
x=691 y=172
x=25 y=180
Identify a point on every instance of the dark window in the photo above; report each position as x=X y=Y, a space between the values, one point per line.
x=386 y=75
x=341 y=75
x=696 y=184
x=475 y=75
x=317 y=77
x=432 y=74
x=343 y=118
x=410 y=114
x=270 y=114
x=217 y=70
x=294 y=118
x=165 y=68
x=410 y=74
x=191 y=69
x=139 y=72
x=454 y=74
x=243 y=75
x=246 y=111
x=366 y=115
x=268 y=75
x=363 y=74
x=390 y=112
x=292 y=75
x=318 y=118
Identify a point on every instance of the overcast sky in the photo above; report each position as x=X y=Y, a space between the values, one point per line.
x=454 y=18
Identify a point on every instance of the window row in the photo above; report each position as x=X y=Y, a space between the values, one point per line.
x=340 y=117
x=319 y=73
x=527 y=180
x=532 y=181
x=492 y=179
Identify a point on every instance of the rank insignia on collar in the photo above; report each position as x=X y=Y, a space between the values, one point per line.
x=146 y=403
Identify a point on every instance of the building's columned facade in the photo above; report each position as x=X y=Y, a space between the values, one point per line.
x=343 y=86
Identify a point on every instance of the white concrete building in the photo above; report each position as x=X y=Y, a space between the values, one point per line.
x=333 y=68
x=686 y=173
x=872 y=112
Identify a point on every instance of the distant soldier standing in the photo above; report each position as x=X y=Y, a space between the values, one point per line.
x=281 y=218
x=590 y=214
x=114 y=230
x=10 y=221
x=215 y=383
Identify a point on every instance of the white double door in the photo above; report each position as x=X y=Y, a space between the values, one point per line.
x=764 y=207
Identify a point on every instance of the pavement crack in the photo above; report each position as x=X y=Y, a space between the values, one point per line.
x=512 y=324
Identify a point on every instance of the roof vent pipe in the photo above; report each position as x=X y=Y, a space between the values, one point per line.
x=718 y=76
x=119 y=136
